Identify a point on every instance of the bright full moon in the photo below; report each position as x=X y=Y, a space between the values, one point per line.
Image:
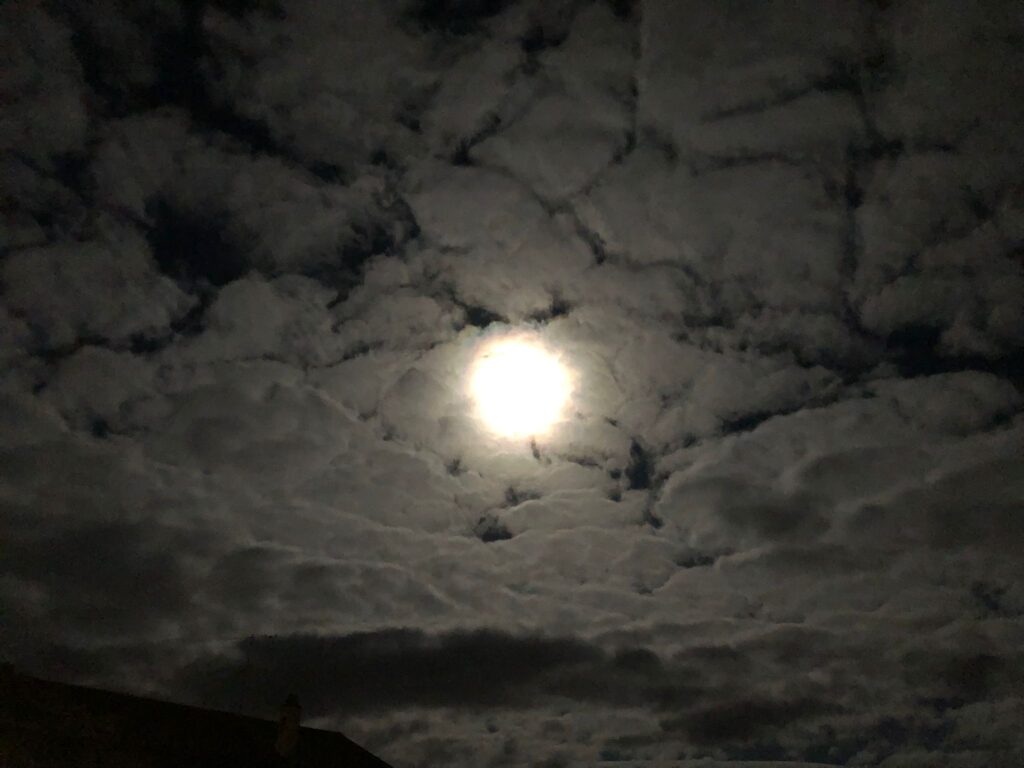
x=520 y=390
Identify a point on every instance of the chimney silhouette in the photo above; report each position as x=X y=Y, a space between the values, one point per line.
x=288 y=728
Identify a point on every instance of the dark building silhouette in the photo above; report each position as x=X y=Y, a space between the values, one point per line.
x=46 y=725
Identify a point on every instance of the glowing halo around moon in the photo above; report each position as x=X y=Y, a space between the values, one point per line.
x=519 y=388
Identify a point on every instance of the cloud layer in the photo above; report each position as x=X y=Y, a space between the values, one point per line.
x=250 y=250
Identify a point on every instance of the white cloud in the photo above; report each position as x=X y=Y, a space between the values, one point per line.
x=107 y=287
x=331 y=82
x=700 y=62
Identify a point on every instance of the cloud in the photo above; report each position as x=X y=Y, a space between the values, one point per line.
x=397 y=667
x=108 y=288
x=249 y=252
x=335 y=84
x=742 y=81
x=743 y=720
x=213 y=212
x=45 y=115
x=546 y=145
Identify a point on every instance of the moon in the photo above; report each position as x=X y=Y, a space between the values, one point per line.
x=520 y=389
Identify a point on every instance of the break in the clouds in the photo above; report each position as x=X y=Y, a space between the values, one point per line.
x=250 y=250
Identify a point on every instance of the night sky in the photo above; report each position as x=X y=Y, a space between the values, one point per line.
x=250 y=251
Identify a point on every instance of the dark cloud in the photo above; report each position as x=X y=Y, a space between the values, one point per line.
x=455 y=17
x=390 y=669
x=717 y=698
x=741 y=721
x=125 y=575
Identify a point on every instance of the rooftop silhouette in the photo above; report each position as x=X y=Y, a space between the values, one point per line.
x=44 y=723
